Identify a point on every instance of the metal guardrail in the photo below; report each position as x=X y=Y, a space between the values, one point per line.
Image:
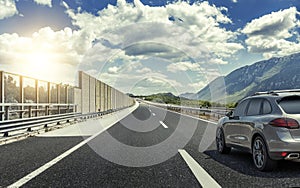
x=217 y=112
x=6 y=127
x=44 y=121
x=18 y=110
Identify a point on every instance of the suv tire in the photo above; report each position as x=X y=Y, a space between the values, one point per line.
x=260 y=155
x=220 y=142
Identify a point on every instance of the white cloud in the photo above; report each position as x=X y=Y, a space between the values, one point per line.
x=177 y=34
x=218 y=61
x=234 y=1
x=44 y=2
x=144 y=70
x=269 y=34
x=113 y=70
x=143 y=83
x=183 y=66
x=129 y=34
x=47 y=51
x=197 y=86
x=8 y=8
x=195 y=26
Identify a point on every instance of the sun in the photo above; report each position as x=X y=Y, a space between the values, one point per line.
x=41 y=65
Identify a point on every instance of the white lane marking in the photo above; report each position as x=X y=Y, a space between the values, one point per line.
x=38 y=171
x=153 y=114
x=202 y=176
x=41 y=169
x=163 y=124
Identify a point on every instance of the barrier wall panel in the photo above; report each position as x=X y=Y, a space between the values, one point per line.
x=77 y=98
x=85 y=92
x=113 y=98
x=92 y=106
x=98 y=93
x=109 y=97
x=105 y=98
x=1 y=87
x=102 y=96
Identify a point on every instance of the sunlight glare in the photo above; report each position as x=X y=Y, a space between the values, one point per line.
x=40 y=65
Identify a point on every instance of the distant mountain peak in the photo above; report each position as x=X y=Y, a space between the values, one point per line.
x=272 y=74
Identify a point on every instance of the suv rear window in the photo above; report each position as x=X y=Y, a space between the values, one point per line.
x=290 y=105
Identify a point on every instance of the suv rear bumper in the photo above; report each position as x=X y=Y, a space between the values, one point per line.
x=276 y=148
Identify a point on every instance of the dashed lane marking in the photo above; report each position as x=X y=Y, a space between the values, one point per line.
x=163 y=124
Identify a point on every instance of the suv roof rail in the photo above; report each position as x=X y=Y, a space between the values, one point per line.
x=274 y=92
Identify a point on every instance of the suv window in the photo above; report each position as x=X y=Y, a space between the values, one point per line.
x=266 y=108
x=240 y=109
x=290 y=105
x=254 y=107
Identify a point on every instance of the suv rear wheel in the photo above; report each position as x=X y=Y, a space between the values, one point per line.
x=260 y=156
x=220 y=141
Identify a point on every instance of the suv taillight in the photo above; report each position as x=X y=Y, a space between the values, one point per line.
x=285 y=122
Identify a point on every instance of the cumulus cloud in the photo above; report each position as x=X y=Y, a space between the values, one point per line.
x=45 y=49
x=152 y=85
x=198 y=85
x=113 y=70
x=144 y=70
x=270 y=33
x=44 y=2
x=189 y=28
x=183 y=66
x=178 y=33
x=8 y=8
x=131 y=33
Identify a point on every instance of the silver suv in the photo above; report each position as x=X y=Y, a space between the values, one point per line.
x=266 y=125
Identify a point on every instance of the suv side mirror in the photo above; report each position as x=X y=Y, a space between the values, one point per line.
x=229 y=114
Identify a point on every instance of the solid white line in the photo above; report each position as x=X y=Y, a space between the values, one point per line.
x=163 y=124
x=153 y=114
x=202 y=176
x=38 y=171
x=41 y=169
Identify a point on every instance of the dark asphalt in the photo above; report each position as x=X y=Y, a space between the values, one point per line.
x=20 y=158
x=132 y=153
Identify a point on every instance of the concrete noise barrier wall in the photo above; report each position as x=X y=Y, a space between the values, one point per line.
x=94 y=95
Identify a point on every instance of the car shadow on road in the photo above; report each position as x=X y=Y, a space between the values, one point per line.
x=242 y=162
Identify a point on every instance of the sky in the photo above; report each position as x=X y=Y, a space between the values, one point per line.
x=144 y=46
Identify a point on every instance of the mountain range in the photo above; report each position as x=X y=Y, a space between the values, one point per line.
x=272 y=74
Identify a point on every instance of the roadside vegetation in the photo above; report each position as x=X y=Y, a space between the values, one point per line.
x=169 y=98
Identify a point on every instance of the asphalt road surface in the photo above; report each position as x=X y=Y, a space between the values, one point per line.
x=151 y=147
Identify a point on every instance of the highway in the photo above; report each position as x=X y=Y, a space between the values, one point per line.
x=150 y=147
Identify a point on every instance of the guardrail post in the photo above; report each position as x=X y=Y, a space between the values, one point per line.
x=6 y=112
x=46 y=110
x=29 y=111
x=37 y=97
x=21 y=96
x=1 y=95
